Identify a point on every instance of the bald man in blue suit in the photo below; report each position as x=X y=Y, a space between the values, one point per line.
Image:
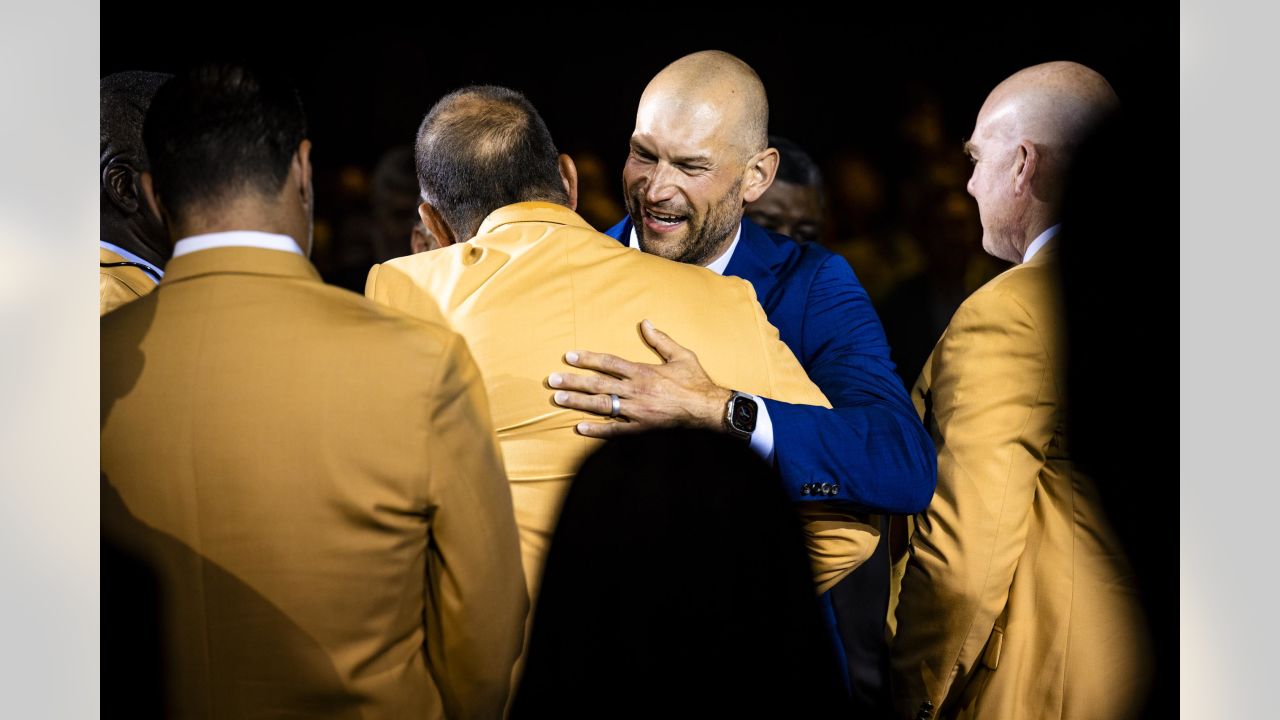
x=698 y=154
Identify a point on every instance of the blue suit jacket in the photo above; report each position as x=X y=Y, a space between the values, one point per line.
x=871 y=447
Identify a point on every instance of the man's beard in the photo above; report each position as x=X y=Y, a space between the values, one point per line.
x=703 y=241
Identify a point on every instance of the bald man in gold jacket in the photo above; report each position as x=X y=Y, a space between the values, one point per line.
x=1014 y=599
x=536 y=280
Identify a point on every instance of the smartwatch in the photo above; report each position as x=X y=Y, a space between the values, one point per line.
x=740 y=415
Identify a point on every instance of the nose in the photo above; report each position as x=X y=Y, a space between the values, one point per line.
x=969 y=185
x=660 y=187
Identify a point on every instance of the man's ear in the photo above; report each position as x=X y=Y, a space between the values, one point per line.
x=120 y=182
x=302 y=170
x=569 y=176
x=761 y=169
x=432 y=219
x=1026 y=162
x=152 y=199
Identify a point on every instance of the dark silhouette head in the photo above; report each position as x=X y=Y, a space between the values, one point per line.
x=677 y=579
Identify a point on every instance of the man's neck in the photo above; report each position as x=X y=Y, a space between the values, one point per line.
x=251 y=214
x=1038 y=242
x=126 y=236
x=721 y=261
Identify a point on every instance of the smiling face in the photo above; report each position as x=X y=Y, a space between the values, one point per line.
x=683 y=179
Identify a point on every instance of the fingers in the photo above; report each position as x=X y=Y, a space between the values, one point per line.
x=603 y=362
x=608 y=430
x=669 y=349
x=593 y=384
x=594 y=404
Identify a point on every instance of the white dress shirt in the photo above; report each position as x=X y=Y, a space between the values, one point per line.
x=236 y=238
x=130 y=257
x=1040 y=241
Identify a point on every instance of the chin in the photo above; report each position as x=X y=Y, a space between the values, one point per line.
x=666 y=247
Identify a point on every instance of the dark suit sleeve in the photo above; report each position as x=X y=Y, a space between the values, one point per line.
x=871 y=445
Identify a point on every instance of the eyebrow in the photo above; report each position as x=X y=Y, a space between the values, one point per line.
x=970 y=149
x=693 y=159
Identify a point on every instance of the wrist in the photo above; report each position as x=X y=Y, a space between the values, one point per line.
x=718 y=405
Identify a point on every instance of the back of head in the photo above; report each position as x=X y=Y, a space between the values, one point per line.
x=795 y=165
x=481 y=148
x=221 y=132
x=1054 y=105
x=125 y=218
x=677 y=577
x=125 y=97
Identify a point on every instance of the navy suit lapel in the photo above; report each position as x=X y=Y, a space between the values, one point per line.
x=622 y=231
x=758 y=260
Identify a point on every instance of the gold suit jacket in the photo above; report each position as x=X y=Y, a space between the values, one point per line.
x=1014 y=600
x=119 y=285
x=538 y=281
x=316 y=484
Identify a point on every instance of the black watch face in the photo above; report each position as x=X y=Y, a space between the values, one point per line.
x=744 y=414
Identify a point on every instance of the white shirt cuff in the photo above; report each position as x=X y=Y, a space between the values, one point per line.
x=762 y=436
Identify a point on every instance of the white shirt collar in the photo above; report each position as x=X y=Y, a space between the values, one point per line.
x=719 y=264
x=1040 y=241
x=236 y=238
x=130 y=257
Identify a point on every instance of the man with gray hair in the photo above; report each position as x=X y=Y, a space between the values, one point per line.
x=1013 y=596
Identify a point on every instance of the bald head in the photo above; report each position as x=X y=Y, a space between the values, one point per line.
x=713 y=87
x=1022 y=143
x=1054 y=104
x=699 y=152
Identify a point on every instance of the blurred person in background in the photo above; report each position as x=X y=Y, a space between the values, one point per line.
x=388 y=227
x=794 y=204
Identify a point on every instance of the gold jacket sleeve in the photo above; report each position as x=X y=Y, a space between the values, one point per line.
x=476 y=592
x=986 y=395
